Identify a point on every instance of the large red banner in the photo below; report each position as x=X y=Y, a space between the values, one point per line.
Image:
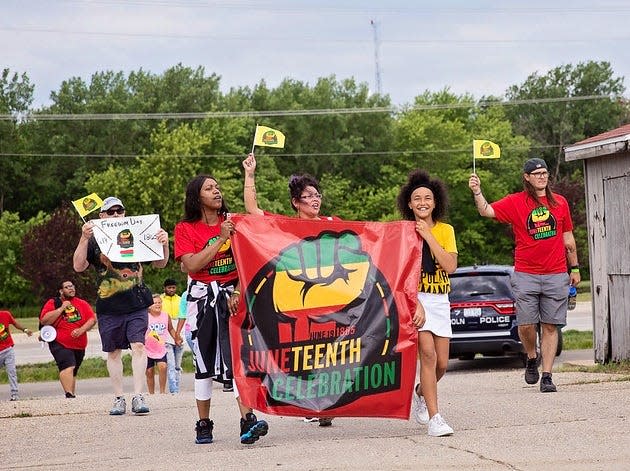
x=325 y=328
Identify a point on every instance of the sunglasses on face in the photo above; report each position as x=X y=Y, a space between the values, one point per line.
x=311 y=196
x=112 y=211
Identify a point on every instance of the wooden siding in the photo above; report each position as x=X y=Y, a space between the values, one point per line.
x=607 y=182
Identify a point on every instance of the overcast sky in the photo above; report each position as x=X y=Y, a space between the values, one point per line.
x=476 y=47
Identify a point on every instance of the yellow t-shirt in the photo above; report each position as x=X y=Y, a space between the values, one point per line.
x=439 y=282
x=170 y=305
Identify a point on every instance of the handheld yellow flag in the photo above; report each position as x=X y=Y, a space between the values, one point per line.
x=268 y=137
x=483 y=149
x=87 y=204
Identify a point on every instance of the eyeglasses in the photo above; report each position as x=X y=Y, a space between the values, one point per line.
x=540 y=174
x=311 y=196
x=112 y=211
x=68 y=286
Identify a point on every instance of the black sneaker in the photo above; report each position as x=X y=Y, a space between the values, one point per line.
x=228 y=386
x=546 y=385
x=204 y=431
x=252 y=429
x=69 y=395
x=325 y=421
x=531 y=371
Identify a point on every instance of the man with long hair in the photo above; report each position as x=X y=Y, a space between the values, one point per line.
x=543 y=234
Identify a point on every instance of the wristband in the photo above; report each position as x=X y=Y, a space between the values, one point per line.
x=236 y=293
x=575 y=269
x=476 y=194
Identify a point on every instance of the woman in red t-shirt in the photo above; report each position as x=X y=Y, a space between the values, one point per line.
x=203 y=246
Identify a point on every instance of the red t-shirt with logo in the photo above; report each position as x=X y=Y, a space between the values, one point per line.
x=74 y=316
x=6 y=319
x=538 y=232
x=192 y=237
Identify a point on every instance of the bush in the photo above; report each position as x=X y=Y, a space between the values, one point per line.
x=14 y=289
x=47 y=256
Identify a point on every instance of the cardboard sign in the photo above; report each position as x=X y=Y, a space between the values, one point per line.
x=129 y=239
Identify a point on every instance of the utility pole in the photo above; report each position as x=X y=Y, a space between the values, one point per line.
x=376 y=58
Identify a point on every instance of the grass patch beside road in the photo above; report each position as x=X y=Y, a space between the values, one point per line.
x=577 y=339
x=90 y=368
x=96 y=367
x=621 y=368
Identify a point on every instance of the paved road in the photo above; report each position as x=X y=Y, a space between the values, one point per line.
x=29 y=350
x=500 y=424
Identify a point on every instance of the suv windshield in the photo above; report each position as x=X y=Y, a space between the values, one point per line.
x=479 y=286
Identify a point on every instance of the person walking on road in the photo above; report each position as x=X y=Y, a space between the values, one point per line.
x=424 y=200
x=7 y=350
x=203 y=246
x=544 y=243
x=174 y=344
x=306 y=201
x=121 y=307
x=159 y=330
x=71 y=317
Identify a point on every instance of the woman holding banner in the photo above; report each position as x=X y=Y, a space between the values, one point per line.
x=424 y=200
x=306 y=200
x=202 y=245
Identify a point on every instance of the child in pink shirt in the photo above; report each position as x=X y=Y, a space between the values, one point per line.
x=155 y=344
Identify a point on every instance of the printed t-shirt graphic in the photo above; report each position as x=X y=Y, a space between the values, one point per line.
x=439 y=282
x=538 y=229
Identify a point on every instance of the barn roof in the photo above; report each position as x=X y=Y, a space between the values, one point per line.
x=610 y=142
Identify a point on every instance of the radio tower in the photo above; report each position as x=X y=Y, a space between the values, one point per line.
x=377 y=73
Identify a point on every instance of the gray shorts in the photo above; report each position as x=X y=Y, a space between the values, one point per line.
x=540 y=298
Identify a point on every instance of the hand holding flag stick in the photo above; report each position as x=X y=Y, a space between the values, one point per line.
x=268 y=137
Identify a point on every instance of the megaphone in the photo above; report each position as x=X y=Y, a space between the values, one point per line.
x=48 y=333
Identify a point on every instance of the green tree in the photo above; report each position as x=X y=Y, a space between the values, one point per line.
x=68 y=151
x=47 y=251
x=14 y=289
x=16 y=96
x=323 y=143
x=551 y=126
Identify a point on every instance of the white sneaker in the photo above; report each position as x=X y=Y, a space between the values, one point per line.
x=419 y=408
x=439 y=428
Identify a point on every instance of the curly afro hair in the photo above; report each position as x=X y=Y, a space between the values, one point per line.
x=420 y=178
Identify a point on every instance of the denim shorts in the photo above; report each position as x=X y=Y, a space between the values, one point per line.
x=118 y=331
x=540 y=298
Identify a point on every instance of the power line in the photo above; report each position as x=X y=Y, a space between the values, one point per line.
x=454 y=150
x=34 y=116
x=361 y=8
x=314 y=39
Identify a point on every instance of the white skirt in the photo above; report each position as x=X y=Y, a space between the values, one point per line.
x=437 y=310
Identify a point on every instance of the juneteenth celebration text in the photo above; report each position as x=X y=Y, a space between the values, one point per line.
x=321 y=369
